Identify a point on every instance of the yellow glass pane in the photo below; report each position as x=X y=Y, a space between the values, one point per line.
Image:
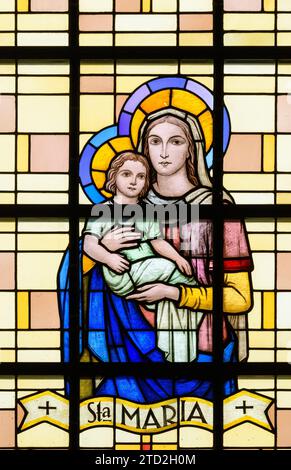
x=100 y=6
x=284 y=85
x=207 y=81
x=284 y=182
x=38 y=339
x=127 y=84
x=261 y=339
x=42 y=22
x=7 y=198
x=40 y=383
x=198 y=5
x=7 y=182
x=195 y=39
x=43 y=85
x=284 y=68
x=257 y=355
x=43 y=68
x=7 y=384
x=43 y=274
x=42 y=436
x=42 y=182
x=249 y=69
x=269 y=310
x=50 y=114
x=7 y=84
x=83 y=139
x=99 y=68
x=283 y=340
x=255 y=316
x=261 y=226
x=7 y=22
x=283 y=143
x=263 y=274
x=283 y=198
x=7 y=313
x=249 y=39
x=95 y=39
x=7 y=241
x=162 y=6
x=146 y=5
x=42 y=198
x=143 y=67
x=7 y=340
x=262 y=241
x=269 y=5
x=284 y=242
x=22 y=310
x=7 y=225
x=7 y=39
x=284 y=225
x=38 y=355
x=7 y=5
x=7 y=68
x=148 y=22
x=248 y=197
x=7 y=355
x=42 y=39
x=249 y=182
x=284 y=399
x=249 y=84
x=7 y=156
x=22 y=5
x=251 y=113
x=190 y=68
x=22 y=152
x=269 y=153
x=284 y=21
x=249 y=21
x=7 y=399
x=284 y=39
x=91 y=119
x=140 y=39
x=46 y=242
x=283 y=5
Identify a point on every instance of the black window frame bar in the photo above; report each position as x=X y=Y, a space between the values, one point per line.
x=217 y=371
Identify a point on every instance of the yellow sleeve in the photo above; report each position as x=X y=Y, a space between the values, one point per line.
x=237 y=297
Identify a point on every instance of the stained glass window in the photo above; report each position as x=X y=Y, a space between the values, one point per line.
x=163 y=333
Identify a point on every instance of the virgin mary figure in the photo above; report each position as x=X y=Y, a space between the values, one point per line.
x=175 y=134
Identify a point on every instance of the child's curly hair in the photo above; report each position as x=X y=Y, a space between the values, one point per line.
x=117 y=163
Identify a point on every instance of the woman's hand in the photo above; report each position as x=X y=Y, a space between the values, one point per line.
x=117 y=263
x=184 y=266
x=119 y=238
x=154 y=292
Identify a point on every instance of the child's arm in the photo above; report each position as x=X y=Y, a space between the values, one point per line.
x=95 y=251
x=162 y=247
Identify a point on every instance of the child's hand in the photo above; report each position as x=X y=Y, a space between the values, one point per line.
x=117 y=263
x=184 y=266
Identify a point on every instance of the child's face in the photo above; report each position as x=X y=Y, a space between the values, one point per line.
x=130 y=179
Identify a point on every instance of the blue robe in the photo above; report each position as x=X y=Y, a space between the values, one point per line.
x=118 y=332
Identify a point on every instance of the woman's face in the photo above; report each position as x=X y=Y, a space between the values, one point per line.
x=168 y=148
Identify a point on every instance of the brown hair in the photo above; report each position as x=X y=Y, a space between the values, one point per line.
x=117 y=163
x=190 y=163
